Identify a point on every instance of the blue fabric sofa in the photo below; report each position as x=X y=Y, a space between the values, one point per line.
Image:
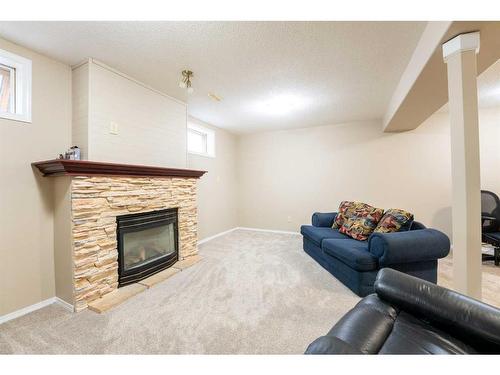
x=414 y=251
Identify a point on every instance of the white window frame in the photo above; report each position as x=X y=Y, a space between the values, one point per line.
x=22 y=107
x=209 y=136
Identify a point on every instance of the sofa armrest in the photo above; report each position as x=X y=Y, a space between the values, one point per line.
x=409 y=246
x=330 y=345
x=476 y=323
x=323 y=219
x=417 y=225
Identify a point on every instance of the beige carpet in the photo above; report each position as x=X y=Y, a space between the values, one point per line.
x=253 y=292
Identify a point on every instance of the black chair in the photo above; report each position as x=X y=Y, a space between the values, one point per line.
x=408 y=315
x=490 y=222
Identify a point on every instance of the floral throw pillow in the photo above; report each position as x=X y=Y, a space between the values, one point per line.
x=360 y=225
x=393 y=220
x=346 y=210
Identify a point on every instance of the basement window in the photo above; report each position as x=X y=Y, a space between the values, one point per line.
x=15 y=87
x=200 y=140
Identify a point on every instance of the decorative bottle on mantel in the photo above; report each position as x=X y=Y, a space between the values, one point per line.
x=72 y=154
x=76 y=153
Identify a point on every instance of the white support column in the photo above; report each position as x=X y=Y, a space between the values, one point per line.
x=460 y=57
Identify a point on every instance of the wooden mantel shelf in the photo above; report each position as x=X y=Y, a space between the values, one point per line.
x=63 y=167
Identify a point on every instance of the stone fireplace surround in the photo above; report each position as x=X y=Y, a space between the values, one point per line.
x=88 y=198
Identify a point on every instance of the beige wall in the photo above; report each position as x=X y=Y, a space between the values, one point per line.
x=285 y=176
x=27 y=223
x=151 y=126
x=63 y=245
x=217 y=190
x=80 y=109
x=489 y=148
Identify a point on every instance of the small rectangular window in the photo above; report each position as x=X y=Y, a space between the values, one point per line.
x=200 y=140
x=7 y=89
x=197 y=141
x=15 y=87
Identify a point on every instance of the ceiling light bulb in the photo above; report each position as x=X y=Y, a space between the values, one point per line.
x=190 y=90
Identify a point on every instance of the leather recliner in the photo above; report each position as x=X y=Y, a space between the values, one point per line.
x=408 y=315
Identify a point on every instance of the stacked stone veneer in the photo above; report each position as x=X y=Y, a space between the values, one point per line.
x=95 y=203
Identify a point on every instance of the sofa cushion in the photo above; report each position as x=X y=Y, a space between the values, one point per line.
x=351 y=252
x=362 y=223
x=412 y=336
x=394 y=220
x=346 y=209
x=318 y=234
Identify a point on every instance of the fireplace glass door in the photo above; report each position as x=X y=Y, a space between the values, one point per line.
x=147 y=243
x=145 y=246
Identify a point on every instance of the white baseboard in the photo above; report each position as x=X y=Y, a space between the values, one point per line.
x=34 y=307
x=64 y=304
x=215 y=236
x=268 y=230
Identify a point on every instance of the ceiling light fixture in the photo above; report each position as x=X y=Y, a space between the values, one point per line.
x=281 y=105
x=185 y=82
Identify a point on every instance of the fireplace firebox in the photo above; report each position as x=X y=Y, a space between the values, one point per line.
x=147 y=244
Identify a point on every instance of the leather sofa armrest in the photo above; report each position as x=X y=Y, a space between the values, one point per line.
x=409 y=246
x=323 y=219
x=474 y=322
x=330 y=345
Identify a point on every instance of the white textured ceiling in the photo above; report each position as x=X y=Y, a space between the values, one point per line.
x=334 y=71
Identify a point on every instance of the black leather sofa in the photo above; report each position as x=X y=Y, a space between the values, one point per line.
x=408 y=315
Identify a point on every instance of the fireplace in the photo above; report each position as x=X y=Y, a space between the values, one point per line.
x=147 y=244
